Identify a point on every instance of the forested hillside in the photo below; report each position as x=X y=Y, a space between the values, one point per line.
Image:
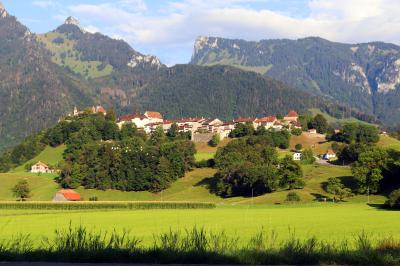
x=364 y=76
x=227 y=92
x=44 y=76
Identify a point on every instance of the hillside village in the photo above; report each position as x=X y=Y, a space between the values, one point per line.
x=200 y=127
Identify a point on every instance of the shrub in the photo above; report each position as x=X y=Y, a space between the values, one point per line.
x=296 y=131
x=292 y=197
x=215 y=140
x=307 y=157
x=394 y=199
x=298 y=147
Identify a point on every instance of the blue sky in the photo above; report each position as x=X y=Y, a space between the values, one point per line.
x=168 y=28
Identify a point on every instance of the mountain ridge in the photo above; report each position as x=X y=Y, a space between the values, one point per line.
x=364 y=75
x=45 y=75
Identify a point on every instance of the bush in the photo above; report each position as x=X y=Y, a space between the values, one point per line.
x=94 y=198
x=297 y=131
x=292 y=197
x=215 y=140
x=205 y=163
x=307 y=157
x=298 y=147
x=394 y=199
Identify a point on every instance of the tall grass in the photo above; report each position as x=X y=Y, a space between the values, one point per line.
x=197 y=245
x=104 y=205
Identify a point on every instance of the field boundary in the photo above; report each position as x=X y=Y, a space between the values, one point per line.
x=137 y=205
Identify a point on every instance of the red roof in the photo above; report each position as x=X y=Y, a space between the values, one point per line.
x=150 y=114
x=268 y=119
x=70 y=194
x=131 y=116
x=292 y=114
x=244 y=120
x=100 y=109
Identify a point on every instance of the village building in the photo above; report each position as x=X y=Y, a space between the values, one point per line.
x=66 y=195
x=277 y=126
x=312 y=131
x=99 y=110
x=297 y=156
x=292 y=116
x=41 y=168
x=141 y=120
x=266 y=122
x=330 y=154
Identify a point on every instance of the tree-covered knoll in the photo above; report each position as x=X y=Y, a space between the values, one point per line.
x=250 y=166
x=100 y=155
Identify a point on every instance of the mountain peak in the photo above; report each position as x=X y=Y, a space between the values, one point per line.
x=3 y=11
x=72 y=21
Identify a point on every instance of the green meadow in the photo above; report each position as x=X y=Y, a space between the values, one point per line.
x=327 y=221
x=241 y=216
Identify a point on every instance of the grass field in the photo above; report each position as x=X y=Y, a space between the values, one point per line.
x=327 y=221
x=389 y=142
x=51 y=156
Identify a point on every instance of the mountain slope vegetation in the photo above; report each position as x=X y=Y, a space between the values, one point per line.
x=364 y=76
x=44 y=76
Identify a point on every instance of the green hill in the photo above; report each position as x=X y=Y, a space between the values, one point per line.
x=50 y=156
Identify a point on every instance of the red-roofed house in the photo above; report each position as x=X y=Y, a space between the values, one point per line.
x=99 y=109
x=329 y=155
x=154 y=116
x=40 y=167
x=292 y=116
x=67 y=195
x=139 y=120
x=267 y=122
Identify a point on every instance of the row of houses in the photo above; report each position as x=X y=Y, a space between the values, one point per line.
x=150 y=121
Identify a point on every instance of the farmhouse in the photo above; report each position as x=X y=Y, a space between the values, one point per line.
x=67 y=195
x=266 y=122
x=297 y=156
x=292 y=116
x=312 y=131
x=40 y=167
x=329 y=155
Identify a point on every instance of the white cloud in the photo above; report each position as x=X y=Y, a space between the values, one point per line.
x=45 y=4
x=181 y=22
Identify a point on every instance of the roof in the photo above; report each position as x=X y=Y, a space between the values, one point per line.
x=42 y=164
x=100 y=109
x=131 y=116
x=268 y=119
x=151 y=114
x=244 y=120
x=331 y=152
x=292 y=114
x=70 y=194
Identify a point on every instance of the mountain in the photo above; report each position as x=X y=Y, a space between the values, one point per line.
x=34 y=92
x=227 y=92
x=43 y=76
x=364 y=76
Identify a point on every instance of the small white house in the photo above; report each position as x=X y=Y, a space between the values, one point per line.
x=329 y=155
x=297 y=156
x=40 y=167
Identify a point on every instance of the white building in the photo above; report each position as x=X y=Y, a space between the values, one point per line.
x=329 y=155
x=297 y=156
x=40 y=167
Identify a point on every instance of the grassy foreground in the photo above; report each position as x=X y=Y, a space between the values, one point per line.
x=197 y=245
